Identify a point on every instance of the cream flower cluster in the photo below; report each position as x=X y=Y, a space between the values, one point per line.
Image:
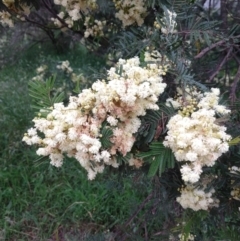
x=131 y=11
x=196 y=198
x=235 y=193
x=168 y=22
x=76 y=130
x=72 y=10
x=189 y=237
x=5 y=19
x=41 y=70
x=155 y=56
x=185 y=101
x=93 y=28
x=197 y=139
x=19 y=9
x=65 y=66
x=193 y=99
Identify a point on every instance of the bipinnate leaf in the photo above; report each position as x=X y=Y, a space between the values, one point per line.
x=106 y=135
x=160 y=157
x=42 y=94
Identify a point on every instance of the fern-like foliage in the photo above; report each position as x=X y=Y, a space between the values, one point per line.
x=153 y=125
x=106 y=133
x=131 y=41
x=197 y=28
x=235 y=108
x=183 y=73
x=159 y=157
x=229 y=232
x=43 y=95
x=123 y=159
x=235 y=179
x=191 y=220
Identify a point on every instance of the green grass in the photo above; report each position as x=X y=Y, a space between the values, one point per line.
x=37 y=196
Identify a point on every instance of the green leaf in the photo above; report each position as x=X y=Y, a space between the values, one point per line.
x=42 y=94
x=121 y=158
x=154 y=166
x=160 y=157
x=106 y=135
x=234 y=141
x=162 y=164
x=151 y=122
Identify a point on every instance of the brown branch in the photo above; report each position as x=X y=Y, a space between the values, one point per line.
x=147 y=199
x=221 y=64
x=235 y=82
x=120 y=231
x=48 y=7
x=204 y=51
x=223 y=14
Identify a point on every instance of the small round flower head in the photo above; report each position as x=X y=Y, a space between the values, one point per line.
x=72 y=10
x=196 y=198
x=5 y=19
x=65 y=66
x=189 y=237
x=168 y=22
x=235 y=193
x=130 y=12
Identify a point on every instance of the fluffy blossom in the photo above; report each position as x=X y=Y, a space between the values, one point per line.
x=168 y=21
x=65 y=66
x=72 y=10
x=5 y=19
x=93 y=27
x=18 y=8
x=131 y=11
x=77 y=129
x=193 y=99
x=189 y=237
x=235 y=193
x=196 y=138
x=196 y=198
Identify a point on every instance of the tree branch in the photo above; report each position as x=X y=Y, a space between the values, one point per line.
x=221 y=64
x=148 y=198
x=235 y=82
x=204 y=51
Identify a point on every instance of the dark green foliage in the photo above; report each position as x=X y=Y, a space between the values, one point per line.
x=123 y=159
x=229 y=233
x=43 y=94
x=153 y=125
x=106 y=133
x=190 y=220
x=132 y=41
x=160 y=158
x=153 y=152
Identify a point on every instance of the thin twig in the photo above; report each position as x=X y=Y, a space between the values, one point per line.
x=146 y=231
x=204 y=51
x=119 y=231
x=221 y=64
x=148 y=198
x=46 y=4
x=235 y=82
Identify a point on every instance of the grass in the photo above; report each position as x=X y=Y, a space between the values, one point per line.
x=41 y=198
x=41 y=202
